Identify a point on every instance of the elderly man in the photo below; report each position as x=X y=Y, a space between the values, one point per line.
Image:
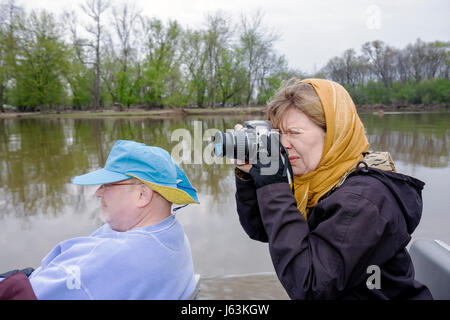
x=141 y=252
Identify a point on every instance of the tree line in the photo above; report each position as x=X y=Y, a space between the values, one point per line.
x=382 y=74
x=112 y=55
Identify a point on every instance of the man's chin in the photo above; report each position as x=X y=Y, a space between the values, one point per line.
x=103 y=217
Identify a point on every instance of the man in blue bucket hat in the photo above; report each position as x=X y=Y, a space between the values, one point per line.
x=150 y=166
x=141 y=252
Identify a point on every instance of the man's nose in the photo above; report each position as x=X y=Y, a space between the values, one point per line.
x=99 y=192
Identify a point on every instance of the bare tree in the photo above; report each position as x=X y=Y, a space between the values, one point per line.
x=403 y=63
x=95 y=9
x=381 y=59
x=79 y=44
x=194 y=57
x=417 y=59
x=355 y=67
x=423 y=60
x=335 y=69
x=162 y=60
x=256 y=44
x=217 y=36
x=125 y=20
x=436 y=53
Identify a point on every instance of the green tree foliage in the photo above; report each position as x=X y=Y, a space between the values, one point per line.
x=216 y=38
x=3 y=65
x=79 y=79
x=160 y=75
x=110 y=55
x=194 y=60
x=122 y=77
x=11 y=16
x=425 y=92
x=41 y=62
x=256 y=53
x=230 y=77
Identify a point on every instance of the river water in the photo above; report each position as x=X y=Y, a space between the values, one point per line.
x=39 y=207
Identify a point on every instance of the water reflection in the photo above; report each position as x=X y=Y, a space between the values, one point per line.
x=39 y=206
x=415 y=138
x=38 y=157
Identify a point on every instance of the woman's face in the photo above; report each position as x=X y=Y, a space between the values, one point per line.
x=303 y=140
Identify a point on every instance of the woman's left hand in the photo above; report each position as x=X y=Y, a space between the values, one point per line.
x=267 y=174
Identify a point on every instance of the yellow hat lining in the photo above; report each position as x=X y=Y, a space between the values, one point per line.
x=171 y=194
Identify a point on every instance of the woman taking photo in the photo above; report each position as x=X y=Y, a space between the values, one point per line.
x=351 y=215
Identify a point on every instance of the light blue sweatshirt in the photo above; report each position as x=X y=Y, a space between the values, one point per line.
x=152 y=262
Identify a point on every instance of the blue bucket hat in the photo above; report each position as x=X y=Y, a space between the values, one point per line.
x=151 y=165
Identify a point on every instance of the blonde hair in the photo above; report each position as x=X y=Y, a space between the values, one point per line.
x=294 y=94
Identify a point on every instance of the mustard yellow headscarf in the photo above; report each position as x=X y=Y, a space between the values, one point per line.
x=344 y=145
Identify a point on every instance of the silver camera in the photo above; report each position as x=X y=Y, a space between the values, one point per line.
x=256 y=143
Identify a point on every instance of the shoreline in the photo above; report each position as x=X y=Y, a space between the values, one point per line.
x=137 y=112
x=401 y=108
x=185 y=112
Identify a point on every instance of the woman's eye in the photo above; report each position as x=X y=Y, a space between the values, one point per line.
x=292 y=133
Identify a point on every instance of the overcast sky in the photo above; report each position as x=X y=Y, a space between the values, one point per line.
x=311 y=32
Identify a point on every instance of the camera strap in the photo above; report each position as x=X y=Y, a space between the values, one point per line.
x=287 y=166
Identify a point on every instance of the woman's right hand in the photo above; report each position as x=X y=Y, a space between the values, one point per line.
x=240 y=164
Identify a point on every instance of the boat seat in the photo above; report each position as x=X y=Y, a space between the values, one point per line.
x=431 y=260
x=194 y=295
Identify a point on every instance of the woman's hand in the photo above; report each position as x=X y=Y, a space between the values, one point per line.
x=240 y=164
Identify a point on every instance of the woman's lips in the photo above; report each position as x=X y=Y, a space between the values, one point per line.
x=292 y=159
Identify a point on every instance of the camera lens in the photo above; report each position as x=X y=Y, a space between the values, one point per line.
x=244 y=144
x=240 y=145
x=232 y=144
x=219 y=144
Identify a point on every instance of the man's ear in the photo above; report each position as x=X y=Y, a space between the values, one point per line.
x=145 y=196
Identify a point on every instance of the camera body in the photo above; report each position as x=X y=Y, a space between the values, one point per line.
x=256 y=143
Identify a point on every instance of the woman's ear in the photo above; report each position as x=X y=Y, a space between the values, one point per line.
x=145 y=195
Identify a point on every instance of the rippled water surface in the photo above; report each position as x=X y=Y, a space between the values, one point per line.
x=39 y=207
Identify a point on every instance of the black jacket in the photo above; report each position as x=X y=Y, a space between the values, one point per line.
x=366 y=221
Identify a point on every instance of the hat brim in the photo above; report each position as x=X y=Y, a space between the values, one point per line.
x=100 y=176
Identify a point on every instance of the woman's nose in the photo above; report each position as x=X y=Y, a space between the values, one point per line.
x=285 y=142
